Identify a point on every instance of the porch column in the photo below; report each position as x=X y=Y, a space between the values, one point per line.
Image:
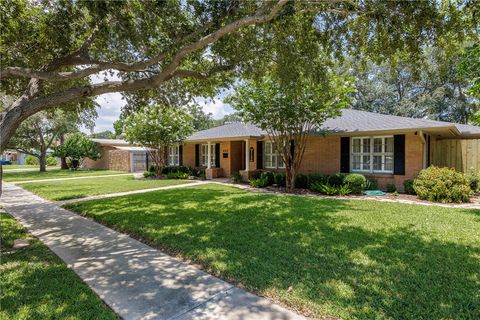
x=247 y=155
x=209 y=155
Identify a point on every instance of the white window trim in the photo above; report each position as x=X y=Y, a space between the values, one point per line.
x=174 y=155
x=371 y=154
x=279 y=164
x=204 y=155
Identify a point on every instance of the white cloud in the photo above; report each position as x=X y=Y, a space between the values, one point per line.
x=216 y=107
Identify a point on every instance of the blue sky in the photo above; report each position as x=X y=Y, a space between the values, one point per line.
x=111 y=105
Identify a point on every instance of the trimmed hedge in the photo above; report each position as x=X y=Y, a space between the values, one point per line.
x=356 y=182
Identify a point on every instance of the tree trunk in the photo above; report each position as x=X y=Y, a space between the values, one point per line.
x=42 y=159
x=63 y=160
x=289 y=179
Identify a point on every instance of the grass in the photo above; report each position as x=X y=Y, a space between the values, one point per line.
x=7 y=167
x=36 y=284
x=323 y=257
x=52 y=174
x=73 y=189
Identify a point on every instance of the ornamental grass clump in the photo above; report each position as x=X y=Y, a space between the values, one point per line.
x=444 y=185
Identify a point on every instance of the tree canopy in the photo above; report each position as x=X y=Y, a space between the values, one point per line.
x=50 y=50
x=157 y=127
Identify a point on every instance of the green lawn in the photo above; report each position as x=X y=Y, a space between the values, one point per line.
x=72 y=189
x=36 y=284
x=52 y=174
x=326 y=257
x=20 y=166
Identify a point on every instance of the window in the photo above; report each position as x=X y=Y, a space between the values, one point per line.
x=271 y=158
x=372 y=154
x=204 y=155
x=174 y=155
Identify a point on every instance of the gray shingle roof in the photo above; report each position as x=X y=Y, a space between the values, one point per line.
x=351 y=121
x=230 y=130
x=111 y=142
x=358 y=121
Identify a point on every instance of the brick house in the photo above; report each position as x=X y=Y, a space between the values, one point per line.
x=389 y=148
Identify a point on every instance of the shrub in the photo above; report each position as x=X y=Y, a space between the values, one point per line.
x=356 y=182
x=31 y=160
x=149 y=174
x=269 y=176
x=51 y=161
x=151 y=168
x=344 y=190
x=372 y=184
x=259 y=183
x=316 y=178
x=177 y=175
x=391 y=187
x=336 y=180
x=474 y=181
x=408 y=187
x=442 y=185
x=236 y=177
x=280 y=179
x=201 y=174
x=168 y=169
x=301 y=181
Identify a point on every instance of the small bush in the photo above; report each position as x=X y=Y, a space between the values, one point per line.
x=236 y=177
x=280 y=179
x=336 y=180
x=372 y=184
x=51 y=161
x=316 y=178
x=269 y=176
x=149 y=174
x=301 y=181
x=344 y=190
x=356 y=182
x=442 y=185
x=391 y=187
x=194 y=172
x=259 y=183
x=474 y=180
x=177 y=175
x=201 y=174
x=169 y=169
x=31 y=160
x=408 y=187
x=151 y=168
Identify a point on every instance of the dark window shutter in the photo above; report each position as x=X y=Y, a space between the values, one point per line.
x=399 y=154
x=217 y=155
x=259 y=154
x=345 y=154
x=180 y=155
x=197 y=155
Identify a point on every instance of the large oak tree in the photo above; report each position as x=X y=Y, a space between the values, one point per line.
x=51 y=49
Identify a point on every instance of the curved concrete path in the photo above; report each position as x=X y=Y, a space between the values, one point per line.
x=135 y=280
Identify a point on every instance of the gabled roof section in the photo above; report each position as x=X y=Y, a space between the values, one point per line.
x=352 y=121
x=228 y=131
x=111 y=142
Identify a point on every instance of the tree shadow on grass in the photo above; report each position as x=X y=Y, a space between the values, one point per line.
x=304 y=253
x=35 y=284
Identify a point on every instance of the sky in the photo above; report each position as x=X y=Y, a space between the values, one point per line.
x=111 y=105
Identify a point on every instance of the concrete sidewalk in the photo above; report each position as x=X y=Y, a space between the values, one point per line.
x=135 y=280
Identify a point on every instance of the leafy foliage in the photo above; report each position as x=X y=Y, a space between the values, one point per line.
x=442 y=185
x=76 y=148
x=356 y=182
x=391 y=188
x=157 y=127
x=31 y=160
x=408 y=187
x=259 y=182
x=51 y=161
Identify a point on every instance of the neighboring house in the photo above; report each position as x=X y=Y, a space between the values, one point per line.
x=389 y=148
x=119 y=155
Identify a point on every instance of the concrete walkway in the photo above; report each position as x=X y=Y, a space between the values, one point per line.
x=135 y=280
x=73 y=178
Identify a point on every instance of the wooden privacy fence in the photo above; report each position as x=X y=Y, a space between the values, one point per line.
x=461 y=154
